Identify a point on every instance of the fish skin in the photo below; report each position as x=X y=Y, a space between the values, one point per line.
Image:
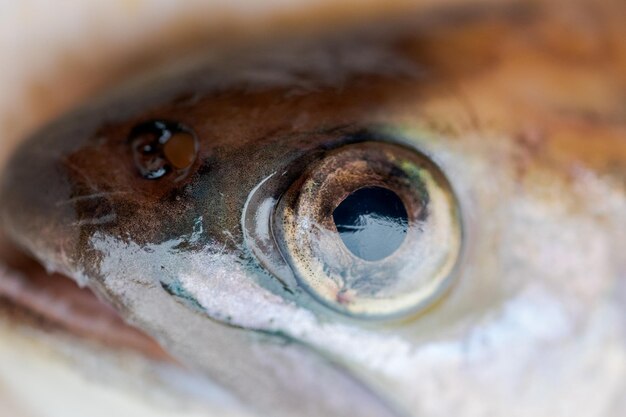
x=527 y=188
x=121 y=380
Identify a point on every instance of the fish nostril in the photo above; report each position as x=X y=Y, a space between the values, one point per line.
x=161 y=147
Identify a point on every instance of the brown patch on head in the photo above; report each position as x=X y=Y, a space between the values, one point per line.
x=259 y=108
x=266 y=97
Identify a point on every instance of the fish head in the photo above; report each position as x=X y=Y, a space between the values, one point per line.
x=421 y=218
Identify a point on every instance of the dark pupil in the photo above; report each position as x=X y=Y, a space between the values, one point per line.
x=372 y=222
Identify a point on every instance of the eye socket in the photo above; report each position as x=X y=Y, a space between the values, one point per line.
x=371 y=229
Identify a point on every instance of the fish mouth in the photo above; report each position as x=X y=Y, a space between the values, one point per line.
x=54 y=303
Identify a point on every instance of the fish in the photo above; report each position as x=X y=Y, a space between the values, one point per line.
x=423 y=216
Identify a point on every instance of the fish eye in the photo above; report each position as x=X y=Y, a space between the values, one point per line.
x=370 y=229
